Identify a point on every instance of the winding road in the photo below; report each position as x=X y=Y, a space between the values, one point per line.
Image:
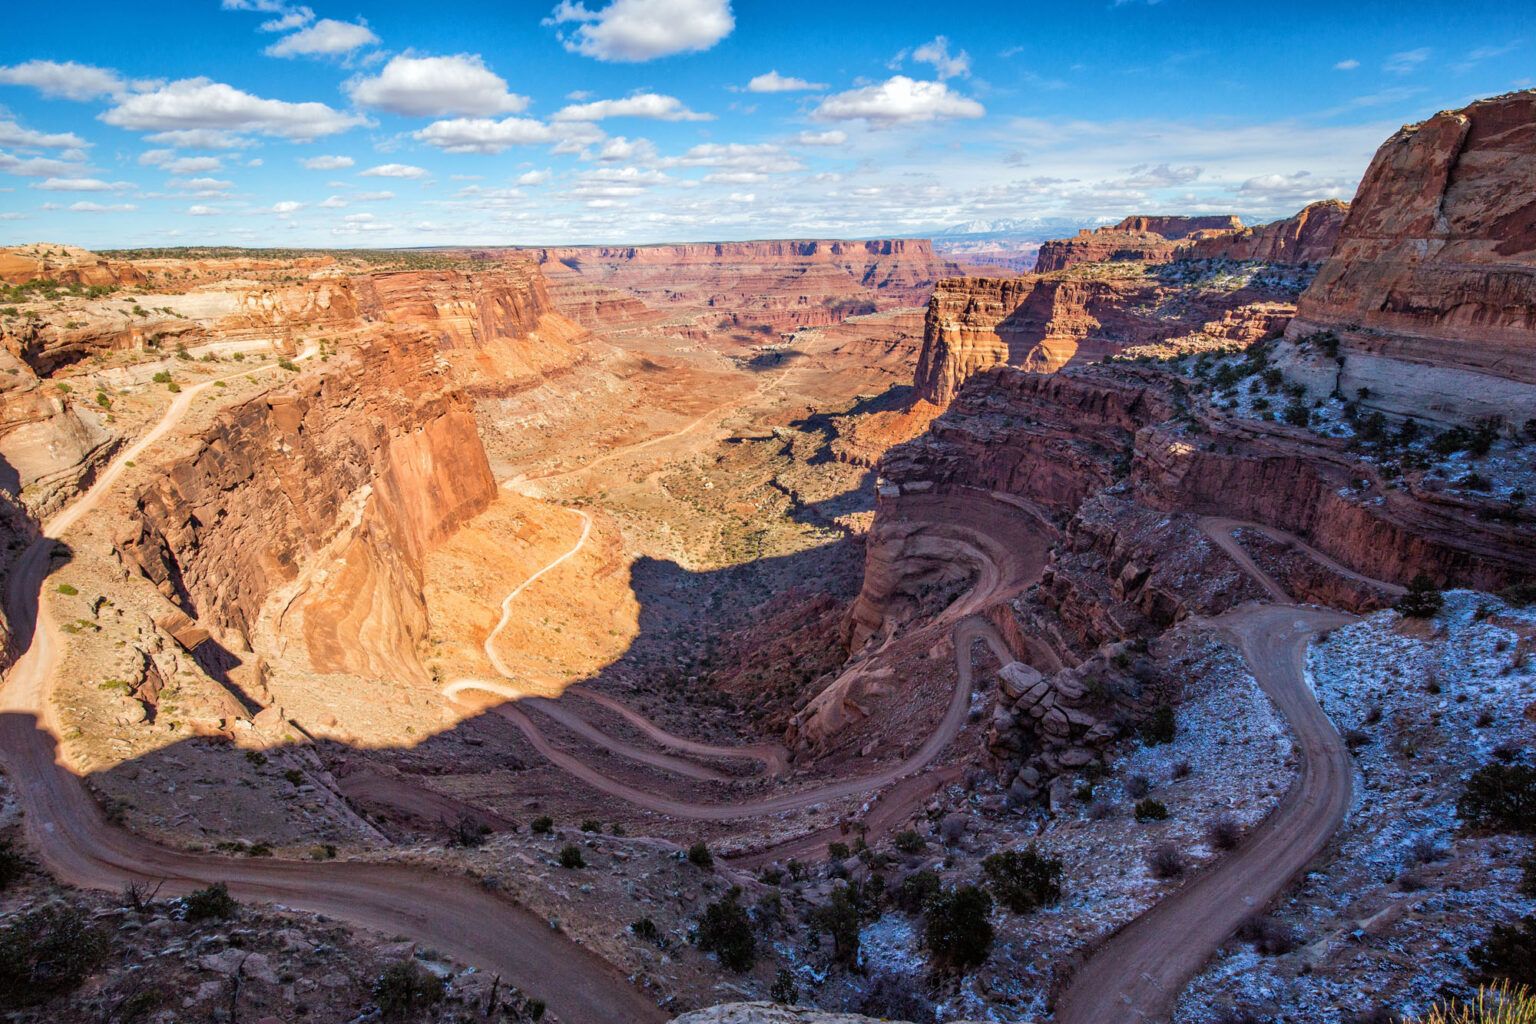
x=79 y=846
x=1138 y=973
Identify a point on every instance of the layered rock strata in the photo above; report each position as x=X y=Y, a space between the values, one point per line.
x=1305 y=237
x=1147 y=239
x=1428 y=302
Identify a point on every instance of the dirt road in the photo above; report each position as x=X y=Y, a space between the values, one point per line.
x=80 y=847
x=1140 y=971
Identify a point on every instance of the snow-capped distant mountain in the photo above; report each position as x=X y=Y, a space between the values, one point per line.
x=1026 y=227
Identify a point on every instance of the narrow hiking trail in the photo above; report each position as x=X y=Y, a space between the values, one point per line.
x=80 y=847
x=1139 y=972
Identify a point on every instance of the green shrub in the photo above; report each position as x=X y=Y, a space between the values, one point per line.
x=1023 y=881
x=591 y=825
x=12 y=864
x=698 y=854
x=211 y=904
x=914 y=892
x=1151 y=810
x=838 y=851
x=45 y=953
x=542 y=825
x=841 y=917
x=66 y=590
x=1508 y=954
x=406 y=988
x=570 y=856
x=1160 y=726
x=784 y=990
x=163 y=377
x=956 y=930
x=909 y=841
x=645 y=929
x=726 y=931
x=1423 y=599
x=1527 y=878
x=1500 y=798
x=535 y=1009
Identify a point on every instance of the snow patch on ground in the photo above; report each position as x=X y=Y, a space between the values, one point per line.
x=1388 y=918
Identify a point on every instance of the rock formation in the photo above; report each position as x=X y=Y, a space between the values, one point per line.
x=1305 y=237
x=321 y=498
x=1431 y=290
x=1045 y=322
x=1150 y=239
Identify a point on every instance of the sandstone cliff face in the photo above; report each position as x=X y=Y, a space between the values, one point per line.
x=65 y=264
x=1306 y=237
x=1046 y=322
x=1153 y=239
x=1431 y=289
x=308 y=510
x=780 y=284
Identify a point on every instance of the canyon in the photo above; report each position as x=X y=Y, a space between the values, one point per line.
x=582 y=616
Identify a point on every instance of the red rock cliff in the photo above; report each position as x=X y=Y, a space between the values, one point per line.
x=355 y=471
x=1153 y=239
x=1306 y=237
x=1431 y=289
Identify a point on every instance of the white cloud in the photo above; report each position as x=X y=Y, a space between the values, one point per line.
x=759 y=158
x=286 y=206
x=69 y=81
x=293 y=19
x=372 y=197
x=1346 y=65
x=831 y=137
x=945 y=64
x=201 y=103
x=325 y=37
x=200 y=138
x=395 y=171
x=82 y=185
x=898 y=100
x=435 y=87
x=1406 y=61
x=202 y=187
x=1293 y=190
x=37 y=167
x=333 y=203
x=88 y=207
x=640 y=30
x=533 y=177
x=13 y=134
x=645 y=104
x=484 y=135
x=192 y=164
x=327 y=163
x=620 y=150
x=203 y=211
x=772 y=81
x=359 y=218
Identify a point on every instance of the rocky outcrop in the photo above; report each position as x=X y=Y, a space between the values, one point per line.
x=65 y=264
x=775 y=1013
x=308 y=510
x=779 y=285
x=1431 y=290
x=1149 y=239
x=1046 y=322
x=1305 y=237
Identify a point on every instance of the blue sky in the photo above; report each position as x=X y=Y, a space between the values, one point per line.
x=267 y=123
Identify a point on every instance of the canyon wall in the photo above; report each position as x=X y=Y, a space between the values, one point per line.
x=321 y=498
x=779 y=285
x=1150 y=239
x=1431 y=289
x=1305 y=237
x=1046 y=322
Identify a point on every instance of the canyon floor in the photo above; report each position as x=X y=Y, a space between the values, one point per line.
x=554 y=619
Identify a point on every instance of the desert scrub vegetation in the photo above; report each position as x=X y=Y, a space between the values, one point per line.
x=956 y=929
x=1500 y=1004
x=1508 y=955
x=406 y=988
x=1500 y=797
x=726 y=930
x=211 y=904
x=46 y=952
x=1023 y=880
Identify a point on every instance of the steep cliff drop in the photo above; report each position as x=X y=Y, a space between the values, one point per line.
x=1428 y=304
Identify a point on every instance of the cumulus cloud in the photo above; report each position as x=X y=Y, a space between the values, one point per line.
x=1346 y=65
x=395 y=171
x=201 y=103
x=758 y=158
x=436 y=87
x=200 y=138
x=641 y=30
x=483 y=134
x=898 y=100
x=82 y=185
x=13 y=134
x=286 y=206
x=203 y=211
x=1156 y=176
x=1288 y=190
x=945 y=65
x=89 y=207
x=174 y=164
x=645 y=104
x=327 y=163
x=36 y=167
x=772 y=81
x=831 y=137
x=620 y=149
x=533 y=177
x=333 y=203
x=67 y=80
x=325 y=38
